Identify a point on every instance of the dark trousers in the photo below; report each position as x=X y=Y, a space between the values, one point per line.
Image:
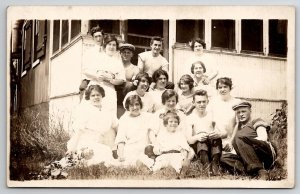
x=254 y=154
x=82 y=88
x=233 y=163
x=209 y=150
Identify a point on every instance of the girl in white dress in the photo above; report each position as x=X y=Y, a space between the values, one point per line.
x=221 y=107
x=94 y=129
x=171 y=147
x=132 y=136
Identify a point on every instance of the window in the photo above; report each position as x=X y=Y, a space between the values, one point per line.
x=252 y=36
x=56 y=37
x=76 y=28
x=278 y=38
x=223 y=34
x=140 y=33
x=63 y=32
x=108 y=26
x=40 y=38
x=27 y=47
x=186 y=30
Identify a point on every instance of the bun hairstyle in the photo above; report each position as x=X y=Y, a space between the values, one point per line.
x=94 y=87
x=198 y=62
x=224 y=80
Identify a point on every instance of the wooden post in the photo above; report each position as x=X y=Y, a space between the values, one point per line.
x=166 y=39
x=124 y=29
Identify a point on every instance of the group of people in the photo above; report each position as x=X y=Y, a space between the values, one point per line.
x=161 y=123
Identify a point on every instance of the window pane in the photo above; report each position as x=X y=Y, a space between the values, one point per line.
x=56 y=30
x=75 y=28
x=65 y=32
x=186 y=30
x=278 y=37
x=28 y=44
x=223 y=34
x=41 y=38
x=252 y=35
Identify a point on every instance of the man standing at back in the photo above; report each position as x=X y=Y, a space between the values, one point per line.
x=98 y=35
x=150 y=61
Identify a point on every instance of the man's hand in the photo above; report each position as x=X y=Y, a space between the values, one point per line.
x=202 y=137
x=156 y=150
x=214 y=135
x=205 y=80
x=228 y=147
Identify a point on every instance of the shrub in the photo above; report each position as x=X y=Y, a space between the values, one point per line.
x=278 y=137
x=33 y=144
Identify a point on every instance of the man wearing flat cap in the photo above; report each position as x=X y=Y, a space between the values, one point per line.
x=126 y=51
x=251 y=143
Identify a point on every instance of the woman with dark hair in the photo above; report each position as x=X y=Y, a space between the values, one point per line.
x=198 y=46
x=94 y=129
x=160 y=78
x=186 y=85
x=132 y=136
x=221 y=107
x=141 y=85
x=107 y=71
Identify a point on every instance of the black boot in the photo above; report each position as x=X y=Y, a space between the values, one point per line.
x=215 y=165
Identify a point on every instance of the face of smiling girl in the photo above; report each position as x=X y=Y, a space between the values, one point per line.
x=198 y=70
x=172 y=124
x=143 y=85
x=135 y=109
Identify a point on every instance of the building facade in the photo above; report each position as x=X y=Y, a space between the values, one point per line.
x=47 y=58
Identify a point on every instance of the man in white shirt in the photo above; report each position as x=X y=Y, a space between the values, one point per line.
x=150 y=61
x=98 y=36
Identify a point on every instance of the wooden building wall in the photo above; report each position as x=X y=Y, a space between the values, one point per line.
x=34 y=85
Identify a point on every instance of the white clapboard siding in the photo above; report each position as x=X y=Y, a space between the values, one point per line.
x=253 y=77
x=65 y=71
x=264 y=109
x=61 y=112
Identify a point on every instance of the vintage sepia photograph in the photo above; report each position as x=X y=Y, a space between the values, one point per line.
x=151 y=96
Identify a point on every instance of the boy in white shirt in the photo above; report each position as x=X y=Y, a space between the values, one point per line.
x=202 y=134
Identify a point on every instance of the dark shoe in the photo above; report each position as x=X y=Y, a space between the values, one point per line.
x=215 y=169
x=263 y=175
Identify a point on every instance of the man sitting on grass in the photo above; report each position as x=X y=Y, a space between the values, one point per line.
x=251 y=143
